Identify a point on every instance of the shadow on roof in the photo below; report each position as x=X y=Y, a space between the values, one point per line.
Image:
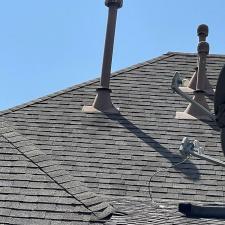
x=211 y=124
x=188 y=168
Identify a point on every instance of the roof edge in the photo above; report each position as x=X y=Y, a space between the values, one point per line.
x=84 y=84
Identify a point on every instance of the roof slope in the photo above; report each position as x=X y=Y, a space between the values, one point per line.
x=116 y=154
x=35 y=190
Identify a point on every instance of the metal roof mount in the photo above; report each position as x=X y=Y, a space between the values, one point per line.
x=102 y=102
x=199 y=80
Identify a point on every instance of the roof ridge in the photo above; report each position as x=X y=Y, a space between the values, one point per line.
x=90 y=82
x=96 y=206
x=195 y=54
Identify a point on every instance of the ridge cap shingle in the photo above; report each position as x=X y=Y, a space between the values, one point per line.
x=195 y=54
x=84 y=84
x=98 y=209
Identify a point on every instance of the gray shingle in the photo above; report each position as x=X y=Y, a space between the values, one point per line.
x=32 y=193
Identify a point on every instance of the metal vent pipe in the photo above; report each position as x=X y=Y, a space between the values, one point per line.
x=109 y=41
x=199 y=80
x=102 y=100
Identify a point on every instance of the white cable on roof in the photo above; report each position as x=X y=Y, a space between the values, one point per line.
x=155 y=204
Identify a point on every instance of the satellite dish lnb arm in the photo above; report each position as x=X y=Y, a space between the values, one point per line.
x=189 y=148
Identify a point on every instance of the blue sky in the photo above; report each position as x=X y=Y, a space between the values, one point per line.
x=46 y=46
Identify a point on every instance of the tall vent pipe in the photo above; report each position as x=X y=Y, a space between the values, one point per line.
x=199 y=80
x=202 y=86
x=102 y=100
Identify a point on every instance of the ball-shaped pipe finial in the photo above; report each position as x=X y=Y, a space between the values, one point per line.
x=116 y=3
x=203 y=32
x=203 y=47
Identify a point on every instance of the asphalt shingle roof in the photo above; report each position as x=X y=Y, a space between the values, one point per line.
x=116 y=154
x=136 y=212
x=36 y=190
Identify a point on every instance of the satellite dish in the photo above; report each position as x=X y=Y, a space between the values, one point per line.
x=219 y=105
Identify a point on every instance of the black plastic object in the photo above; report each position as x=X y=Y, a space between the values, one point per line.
x=219 y=105
x=193 y=211
x=219 y=100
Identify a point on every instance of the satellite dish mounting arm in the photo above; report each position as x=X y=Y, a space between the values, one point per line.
x=176 y=82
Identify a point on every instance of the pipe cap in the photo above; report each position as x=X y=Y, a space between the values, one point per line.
x=116 y=3
x=203 y=47
x=203 y=30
